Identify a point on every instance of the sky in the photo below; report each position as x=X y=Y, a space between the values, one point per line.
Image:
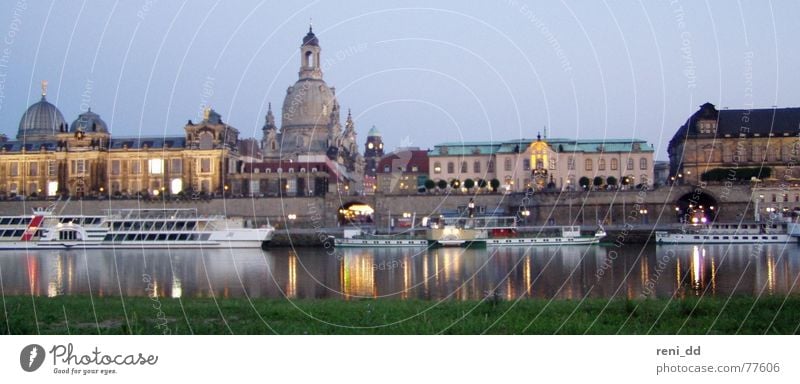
x=422 y=72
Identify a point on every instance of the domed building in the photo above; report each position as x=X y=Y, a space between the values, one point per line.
x=89 y=122
x=42 y=121
x=310 y=118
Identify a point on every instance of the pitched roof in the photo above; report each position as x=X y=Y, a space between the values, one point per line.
x=405 y=161
x=737 y=122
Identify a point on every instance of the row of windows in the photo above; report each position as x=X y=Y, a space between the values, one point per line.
x=153 y=225
x=33 y=168
x=736 y=237
x=15 y=233
x=80 y=220
x=156 y=237
x=15 y=220
x=476 y=166
x=280 y=170
x=526 y=165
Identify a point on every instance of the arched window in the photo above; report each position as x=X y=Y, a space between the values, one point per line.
x=464 y=167
x=437 y=167
x=630 y=164
x=490 y=166
x=451 y=167
x=643 y=163
x=507 y=165
x=614 y=164
x=206 y=140
x=601 y=165
x=476 y=167
x=588 y=164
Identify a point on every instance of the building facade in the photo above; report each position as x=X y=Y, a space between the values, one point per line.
x=51 y=158
x=310 y=119
x=736 y=145
x=403 y=171
x=544 y=163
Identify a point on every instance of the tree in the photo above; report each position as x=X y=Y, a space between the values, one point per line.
x=469 y=183
x=430 y=184
x=482 y=183
x=584 y=182
x=611 y=181
x=441 y=184
x=598 y=181
x=494 y=183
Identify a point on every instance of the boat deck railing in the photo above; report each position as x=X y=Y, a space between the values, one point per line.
x=170 y=213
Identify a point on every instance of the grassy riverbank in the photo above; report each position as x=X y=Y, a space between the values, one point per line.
x=82 y=315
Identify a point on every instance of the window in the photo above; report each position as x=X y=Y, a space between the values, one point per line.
x=414 y=168
x=206 y=140
x=490 y=166
x=176 y=185
x=33 y=168
x=601 y=165
x=51 y=168
x=205 y=165
x=507 y=165
x=526 y=164
x=588 y=164
x=156 y=166
x=14 y=169
x=643 y=163
x=176 y=166
x=571 y=163
x=552 y=163
x=78 y=167
x=464 y=167
x=614 y=164
x=115 y=187
x=437 y=167
x=136 y=167
x=476 y=167
x=451 y=168
x=115 y=168
x=630 y=164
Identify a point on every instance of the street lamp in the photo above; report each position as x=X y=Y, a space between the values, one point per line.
x=291 y=216
x=643 y=213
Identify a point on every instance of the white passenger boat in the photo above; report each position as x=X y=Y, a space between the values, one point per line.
x=128 y=228
x=489 y=231
x=729 y=233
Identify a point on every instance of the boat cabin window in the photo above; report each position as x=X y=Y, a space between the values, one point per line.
x=5 y=221
x=68 y=235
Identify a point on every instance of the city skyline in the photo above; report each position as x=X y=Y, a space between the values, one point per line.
x=601 y=71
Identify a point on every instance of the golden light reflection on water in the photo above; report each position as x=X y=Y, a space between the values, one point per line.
x=770 y=273
x=291 y=284
x=358 y=275
x=696 y=268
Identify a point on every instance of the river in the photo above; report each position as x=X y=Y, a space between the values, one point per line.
x=447 y=273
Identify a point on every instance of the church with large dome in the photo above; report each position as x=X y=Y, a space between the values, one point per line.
x=311 y=127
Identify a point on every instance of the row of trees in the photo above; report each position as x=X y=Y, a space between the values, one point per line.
x=736 y=174
x=598 y=182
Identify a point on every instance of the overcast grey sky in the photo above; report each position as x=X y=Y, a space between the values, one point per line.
x=423 y=72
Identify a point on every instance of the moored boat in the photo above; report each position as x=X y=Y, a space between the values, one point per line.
x=730 y=233
x=128 y=228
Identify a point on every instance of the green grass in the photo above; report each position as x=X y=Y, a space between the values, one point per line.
x=78 y=315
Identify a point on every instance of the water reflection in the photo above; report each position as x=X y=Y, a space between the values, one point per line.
x=456 y=274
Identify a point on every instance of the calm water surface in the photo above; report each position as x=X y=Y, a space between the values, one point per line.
x=458 y=274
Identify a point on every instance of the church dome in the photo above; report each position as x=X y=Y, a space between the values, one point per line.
x=89 y=122
x=308 y=102
x=374 y=132
x=41 y=121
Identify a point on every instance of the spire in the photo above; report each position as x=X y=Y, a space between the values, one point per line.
x=538 y=136
x=349 y=126
x=44 y=88
x=545 y=132
x=270 y=123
